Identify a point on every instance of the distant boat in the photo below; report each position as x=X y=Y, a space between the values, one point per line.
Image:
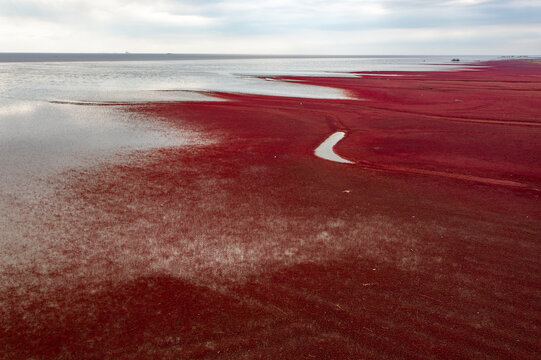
x=456 y=59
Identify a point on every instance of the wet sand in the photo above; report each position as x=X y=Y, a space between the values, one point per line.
x=250 y=246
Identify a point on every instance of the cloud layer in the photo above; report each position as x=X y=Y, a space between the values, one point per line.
x=273 y=26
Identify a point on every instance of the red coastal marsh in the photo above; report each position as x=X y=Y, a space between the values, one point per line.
x=428 y=246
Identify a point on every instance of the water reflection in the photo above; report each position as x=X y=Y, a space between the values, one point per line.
x=38 y=138
x=140 y=80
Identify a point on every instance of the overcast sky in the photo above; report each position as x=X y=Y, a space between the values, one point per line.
x=272 y=26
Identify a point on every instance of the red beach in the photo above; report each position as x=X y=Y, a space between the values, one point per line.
x=424 y=243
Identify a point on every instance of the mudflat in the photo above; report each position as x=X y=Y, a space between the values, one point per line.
x=426 y=246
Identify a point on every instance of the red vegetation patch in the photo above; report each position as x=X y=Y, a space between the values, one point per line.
x=482 y=123
x=427 y=247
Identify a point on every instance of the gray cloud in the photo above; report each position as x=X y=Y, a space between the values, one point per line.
x=204 y=25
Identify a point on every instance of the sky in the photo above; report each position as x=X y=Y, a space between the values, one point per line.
x=326 y=27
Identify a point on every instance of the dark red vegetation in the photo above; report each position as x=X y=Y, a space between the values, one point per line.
x=428 y=247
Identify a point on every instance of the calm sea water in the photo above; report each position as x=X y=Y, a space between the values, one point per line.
x=44 y=129
x=145 y=80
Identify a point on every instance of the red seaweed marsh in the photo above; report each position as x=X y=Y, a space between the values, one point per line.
x=425 y=244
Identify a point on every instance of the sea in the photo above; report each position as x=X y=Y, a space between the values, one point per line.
x=51 y=119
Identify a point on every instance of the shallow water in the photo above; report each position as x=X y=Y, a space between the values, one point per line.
x=38 y=138
x=126 y=81
x=326 y=149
